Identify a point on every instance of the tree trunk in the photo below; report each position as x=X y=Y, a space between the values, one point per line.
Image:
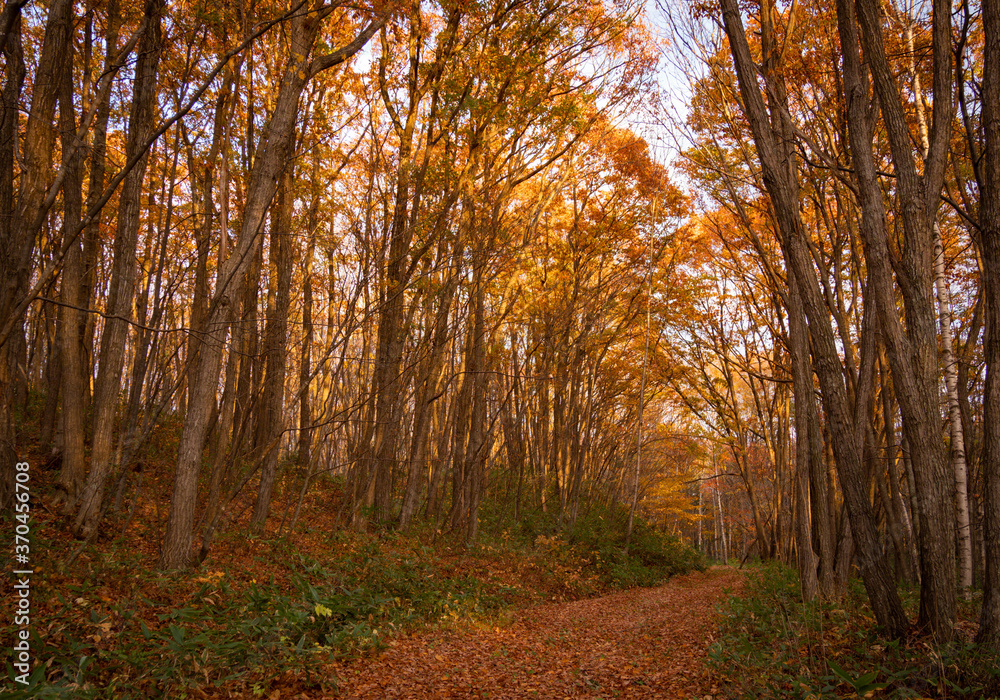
x=274 y=347
x=912 y=353
x=428 y=393
x=782 y=190
x=989 y=231
x=92 y=243
x=123 y=272
x=958 y=457
x=17 y=236
x=475 y=459
x=73 y=470
x=802 y=388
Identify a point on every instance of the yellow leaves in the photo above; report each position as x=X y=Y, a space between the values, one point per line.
x=211 y=577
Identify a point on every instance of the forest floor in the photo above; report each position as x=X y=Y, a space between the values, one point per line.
x=640 y=643
x=421 y=618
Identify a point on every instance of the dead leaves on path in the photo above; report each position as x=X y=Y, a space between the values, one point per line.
x=642 y=643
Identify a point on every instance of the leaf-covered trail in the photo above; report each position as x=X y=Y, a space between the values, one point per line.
x=642 y=643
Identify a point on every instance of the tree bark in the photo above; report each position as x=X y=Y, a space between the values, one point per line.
x=802 y=388
x=989 y=232
x=73 y=472
x=17 y=239
x=120 y=299
x=782 y=190
x=428 y=392
x=912 y=352
x=274 y=347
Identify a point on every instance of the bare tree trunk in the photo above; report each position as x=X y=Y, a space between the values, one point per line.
x=475 y=458
x=17 y=238
x=802 y=388
x=140 y=128
x=304 y=458
x=91 y=238
x=942 y=288
x=274 y=347
x=783 y=194
x=641 y=409
x=958 y=459
x=73 y=472
x=51 y=321
x=912 y=353
x=428 y=392
x=989 y=223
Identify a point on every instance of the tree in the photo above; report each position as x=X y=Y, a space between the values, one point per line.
x=782 y=189
x=912 y=351
x=142 y=122
x=989 y=236
x=18 y=233
x=269 y=161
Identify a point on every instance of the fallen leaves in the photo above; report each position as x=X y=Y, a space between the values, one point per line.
x=641 y=643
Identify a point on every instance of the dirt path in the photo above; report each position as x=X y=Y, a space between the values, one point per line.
x=644 y=643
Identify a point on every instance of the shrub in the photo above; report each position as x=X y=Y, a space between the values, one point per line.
x=774 y=645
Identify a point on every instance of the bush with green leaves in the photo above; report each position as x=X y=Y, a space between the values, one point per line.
x=598 y=540
x=341 y=606
x=772 y=645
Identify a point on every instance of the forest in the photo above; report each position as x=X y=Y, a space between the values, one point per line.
x=343 y=338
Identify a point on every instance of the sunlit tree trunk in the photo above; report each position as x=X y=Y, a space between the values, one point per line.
x=429 y=391
x=782 y=190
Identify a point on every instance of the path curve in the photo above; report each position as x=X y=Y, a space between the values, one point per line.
x=642 y=643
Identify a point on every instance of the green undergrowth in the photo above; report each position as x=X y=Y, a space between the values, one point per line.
x=278 y=616
x=170 y=634
x=597 y=546
x=772 y=645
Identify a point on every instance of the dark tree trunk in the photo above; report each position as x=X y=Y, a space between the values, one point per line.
x=783 y=192
x=912 y=353
x=142 y=122
x=989 y=231
x=274 y=348
x=73 y=470
x=802 y=388
x=17 y=233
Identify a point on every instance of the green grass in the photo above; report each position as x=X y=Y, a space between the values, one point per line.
x=593 y=555
x=146 y=645
x=774 y=646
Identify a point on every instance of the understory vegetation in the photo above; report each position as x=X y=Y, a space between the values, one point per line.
x=774 y=645
x=285 y=611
